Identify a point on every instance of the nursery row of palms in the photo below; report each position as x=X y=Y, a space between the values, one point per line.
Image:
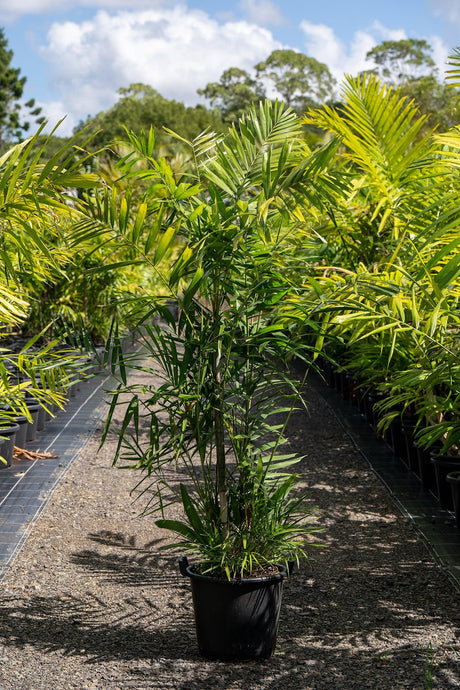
x=364 y=261
x=271 y=250
x=281 y=251
x=389 y=296
x=34 y=213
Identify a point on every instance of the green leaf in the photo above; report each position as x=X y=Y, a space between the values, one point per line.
x=139 y=222
x=178 y=527
x=190 y=511
x=164 y=244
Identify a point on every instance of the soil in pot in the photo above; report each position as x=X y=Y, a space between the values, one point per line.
x=236 y=619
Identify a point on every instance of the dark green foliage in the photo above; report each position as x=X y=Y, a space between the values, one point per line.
x=300 y=80
x=12 y=124
x=233 y=94
x=141 y=107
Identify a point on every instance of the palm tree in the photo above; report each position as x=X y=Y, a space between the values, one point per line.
x=35 y=211
x=393 y=303
x=234 y=216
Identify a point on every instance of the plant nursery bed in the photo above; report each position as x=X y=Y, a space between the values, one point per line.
x=92 y=601
x=26 y=486
x=435 y=525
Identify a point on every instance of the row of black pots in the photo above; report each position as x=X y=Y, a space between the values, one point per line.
x=20 y=430
x=453 y=478
x=7 y=443
x=430 y=466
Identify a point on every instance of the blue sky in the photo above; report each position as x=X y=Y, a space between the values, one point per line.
x=76 y=54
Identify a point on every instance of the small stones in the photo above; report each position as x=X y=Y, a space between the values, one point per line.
x=91 y=602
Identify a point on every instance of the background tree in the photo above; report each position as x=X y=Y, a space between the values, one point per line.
x=397 y=62
x=141 y=107
x=234 y=93
x=436 y=100
x=300 y=80
x=11 y=90
x=408 y=64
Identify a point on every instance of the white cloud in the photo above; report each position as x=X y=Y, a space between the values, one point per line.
x=440 y=53
x=176 y=51
x=322 y=44
x=262 y=12
x=386 y=34
x=54 y=112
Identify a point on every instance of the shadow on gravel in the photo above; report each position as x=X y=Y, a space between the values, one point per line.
x=349 y=631
x=132 y=629
x=127 y=563
x=159 y=648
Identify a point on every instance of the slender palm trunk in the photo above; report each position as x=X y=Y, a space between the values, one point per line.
x=219 y=428
x=221 y=478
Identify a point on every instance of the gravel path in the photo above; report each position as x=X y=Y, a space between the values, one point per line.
x=92 y=602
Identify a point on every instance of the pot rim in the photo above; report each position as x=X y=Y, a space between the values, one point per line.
x=11 y=428
x=444 y=458
x=190 y=572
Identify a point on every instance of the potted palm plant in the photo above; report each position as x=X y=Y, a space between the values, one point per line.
x=218 y=415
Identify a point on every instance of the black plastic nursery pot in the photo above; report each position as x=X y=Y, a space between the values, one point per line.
x=43 y=415
x=21 y=434
x=362 y=393
x=454 y=480
x=33 y=407
x=444 y=465
x=42 y=418
x=426 y=470
x=408 y=431
x=8 y=432
x=22 y=422
x=397 y=441
x=236 y=620
x=371 y=414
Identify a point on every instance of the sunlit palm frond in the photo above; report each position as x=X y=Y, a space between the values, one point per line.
x=380 y=130
x=453 y=75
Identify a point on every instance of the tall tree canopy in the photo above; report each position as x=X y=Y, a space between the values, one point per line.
x=234 y=93
x=408 y=64
x=397 y=62
x=300 y=80
x=141 y=107
x=11 y=90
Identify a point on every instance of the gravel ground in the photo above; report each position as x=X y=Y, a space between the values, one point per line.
x=92 y=601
